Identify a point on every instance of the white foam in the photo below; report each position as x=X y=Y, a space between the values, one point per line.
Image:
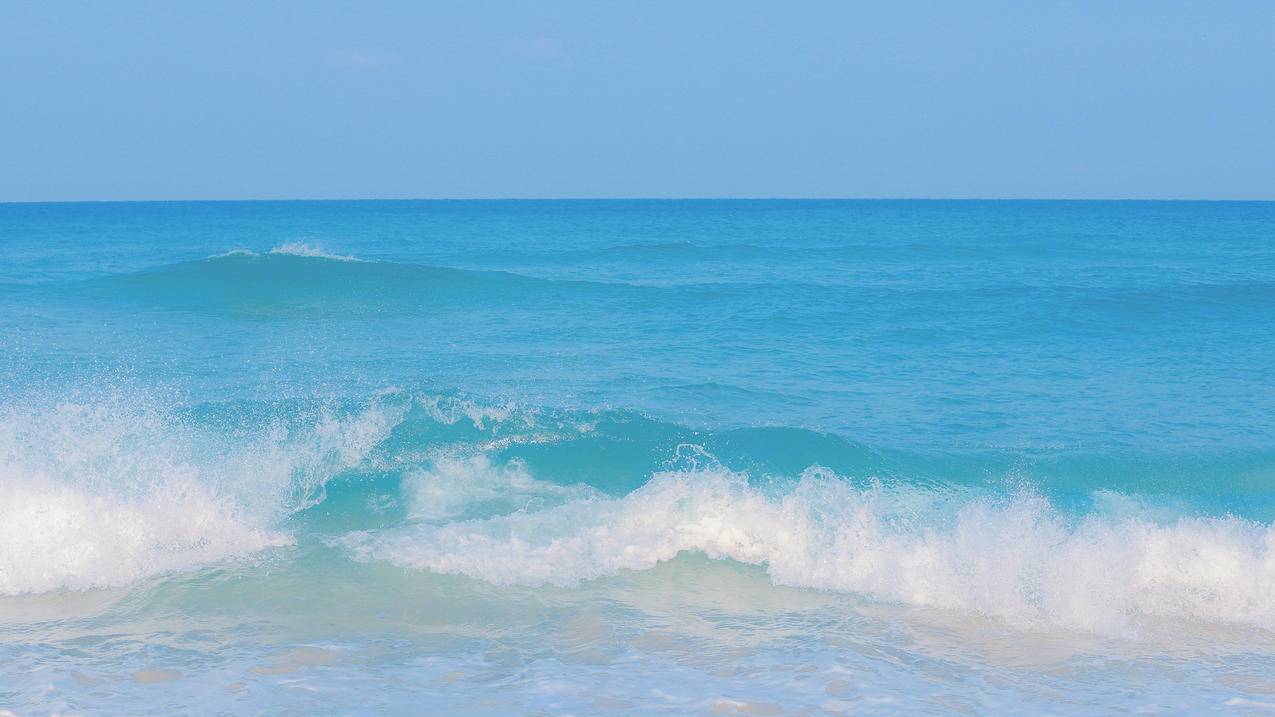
x=58 y=536
x=102 y=492
x=1017 y=559
x=454 y=484
x=297 y=248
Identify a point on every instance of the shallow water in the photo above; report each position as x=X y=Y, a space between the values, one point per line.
x=743 y=457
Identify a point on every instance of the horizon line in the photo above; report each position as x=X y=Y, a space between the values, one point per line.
x=633 y=199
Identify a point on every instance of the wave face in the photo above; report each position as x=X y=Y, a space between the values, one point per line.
x=637 y=457
x=299 y=281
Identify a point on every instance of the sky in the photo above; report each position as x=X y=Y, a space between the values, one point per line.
x=258 y=100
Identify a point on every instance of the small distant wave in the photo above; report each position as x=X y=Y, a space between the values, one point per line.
x=292 y=248
x=303 y=249
x=300 y=280
x=294 y=280
x=234 y=252
x=287 y=284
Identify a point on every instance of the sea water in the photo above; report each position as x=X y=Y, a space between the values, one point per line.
x=637 y=458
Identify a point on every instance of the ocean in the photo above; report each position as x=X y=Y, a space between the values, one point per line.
x=637 y=458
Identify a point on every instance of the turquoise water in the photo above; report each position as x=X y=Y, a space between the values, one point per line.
x=631 y=458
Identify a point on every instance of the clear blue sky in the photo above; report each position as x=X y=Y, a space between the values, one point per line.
x=170 y=100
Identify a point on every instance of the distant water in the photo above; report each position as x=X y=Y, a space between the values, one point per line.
x=637 y=458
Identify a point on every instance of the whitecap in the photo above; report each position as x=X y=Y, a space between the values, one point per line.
x=1016 y=558
x=297 y=248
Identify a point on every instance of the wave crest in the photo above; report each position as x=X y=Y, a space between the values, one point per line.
x=298 y=248
x=1016 y=558
x=99 y=493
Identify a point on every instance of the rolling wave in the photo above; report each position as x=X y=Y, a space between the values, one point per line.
x=106 y=489
x=299 y=280
x=100 y=492
x=1016 y=558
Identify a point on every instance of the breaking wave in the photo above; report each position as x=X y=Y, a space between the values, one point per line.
x=1014 y=556
x=101 y=492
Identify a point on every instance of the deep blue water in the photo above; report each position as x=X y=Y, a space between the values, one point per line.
x=637 y=457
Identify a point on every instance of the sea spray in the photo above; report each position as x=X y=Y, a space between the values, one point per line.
x=108 y=488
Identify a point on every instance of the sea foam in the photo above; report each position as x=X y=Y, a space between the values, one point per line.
x=1012 y=557
x=99 y=493
x=291 y=248
x=454 y=485
x=58 y=536
x=297 y=248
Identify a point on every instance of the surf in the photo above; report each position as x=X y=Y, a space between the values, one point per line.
x=109 y=489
